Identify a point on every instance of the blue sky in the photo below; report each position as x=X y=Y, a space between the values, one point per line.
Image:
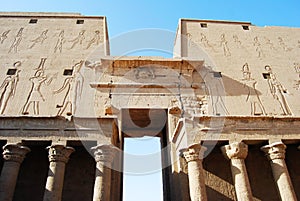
x=126 y=16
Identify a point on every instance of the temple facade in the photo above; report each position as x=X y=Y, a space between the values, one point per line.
x=225 y=108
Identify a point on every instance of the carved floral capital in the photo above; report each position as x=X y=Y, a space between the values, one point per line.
x=275 y=150
x=59 y=153
x=236 y=150
x=15 y=152
x=194 y=152
x=104 y=153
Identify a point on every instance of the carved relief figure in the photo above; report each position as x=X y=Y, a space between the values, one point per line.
x=14 y=46
x=224 y=45
x=73 y=89
x=79 y=39
x=237 y=41
x=144 y=73
x=256 y=105
x=214 y=86
x=283 y=45
x=35 y=96
x=258 y=48
x=278 y=91
x=39 y=39
x=204 y=41
x=269 y=43
x=60 y=42
x=9 y=86
x=96 y=39
x=4 y=36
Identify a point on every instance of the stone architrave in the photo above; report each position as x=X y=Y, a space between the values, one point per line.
x=104 y=156
x=58 y=157
x=13 y=155
x=237 y=152
x=276 y=155
x=194 y=156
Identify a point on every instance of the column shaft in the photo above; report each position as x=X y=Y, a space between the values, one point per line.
x=237 y=152
x=276 y=155
x=13 y=155
x=104 y=155
x=194 y=155
x=58 y=157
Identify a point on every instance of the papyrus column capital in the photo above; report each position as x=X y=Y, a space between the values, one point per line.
x=194 y=152
x=59 y=153
x=15 y=152
x=275 y=150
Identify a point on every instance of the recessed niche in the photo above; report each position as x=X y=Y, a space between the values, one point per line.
x=79 y=21
x=245 y=27
x=11 y=71
x=217 y=74
x=68 y=72
x=33 y=21
x=203 y=25
x=266 y=75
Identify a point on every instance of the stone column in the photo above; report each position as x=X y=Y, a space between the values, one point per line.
x=58 y=157
x=13 y=155
x=194 y=155
x=276 y=155
x=104 y=155
x=237 y=152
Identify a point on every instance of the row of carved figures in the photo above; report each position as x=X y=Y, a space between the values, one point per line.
x=80 y=39
x=257 y=44
x=72 y=88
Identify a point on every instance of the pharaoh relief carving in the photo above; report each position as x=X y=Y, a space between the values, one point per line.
x=283 y=45
x=258 y=47
x=72 y=88
x=277 y=90
x=40 y=39
x=9 y=85
x=17 y=40
x=224 y=45
x=96 y=40
x=256 y=106
x=60 y=41
x=78 y=40
x=35 y=95
x=204 y=41
x=3 y=36
x=297 y=70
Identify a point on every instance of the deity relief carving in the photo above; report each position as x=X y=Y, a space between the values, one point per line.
x=204 y=41
x=258 y=47
x=256 y=106
x=95 y=40
x=14 y=46
x=78 y=40
x=3 y=36
x=35 y=95
x=144 y=73
x=9 y=85
x=40 y=39
x=277 y=90
x=60 y=41
x=72 y=87
x=224 y=45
